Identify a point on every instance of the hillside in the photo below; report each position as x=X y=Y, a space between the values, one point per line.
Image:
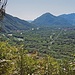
x=69 y=17
x=48 y=19
x=45 y=19
x=11 y=23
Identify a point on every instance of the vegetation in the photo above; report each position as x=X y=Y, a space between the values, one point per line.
x=40 y=51
x=10 y=23
x=58 y=42
x=49 y=19
x=17 y=61
x=45 y=46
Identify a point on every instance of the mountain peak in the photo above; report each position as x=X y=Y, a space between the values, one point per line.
x=45 y=19
x=47 y=14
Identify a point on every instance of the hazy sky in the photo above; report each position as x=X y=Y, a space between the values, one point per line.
x=30 y=9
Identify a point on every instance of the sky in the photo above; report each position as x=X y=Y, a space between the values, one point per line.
x=31 y=9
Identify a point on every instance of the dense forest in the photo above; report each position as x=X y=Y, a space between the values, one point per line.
x=38 y=51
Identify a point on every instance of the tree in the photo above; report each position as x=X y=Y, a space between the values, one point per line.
x=2 y=8
x=7 y=58
x=52 y=67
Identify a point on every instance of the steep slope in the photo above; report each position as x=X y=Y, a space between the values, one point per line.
x=11 y=23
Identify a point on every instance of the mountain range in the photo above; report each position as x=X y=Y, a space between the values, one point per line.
x=11 y=23
x=48 y=19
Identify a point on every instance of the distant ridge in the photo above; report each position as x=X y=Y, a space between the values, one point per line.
x=69 y=17
x=48 y=19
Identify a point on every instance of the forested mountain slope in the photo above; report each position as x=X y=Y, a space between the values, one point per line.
x=11 y=23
